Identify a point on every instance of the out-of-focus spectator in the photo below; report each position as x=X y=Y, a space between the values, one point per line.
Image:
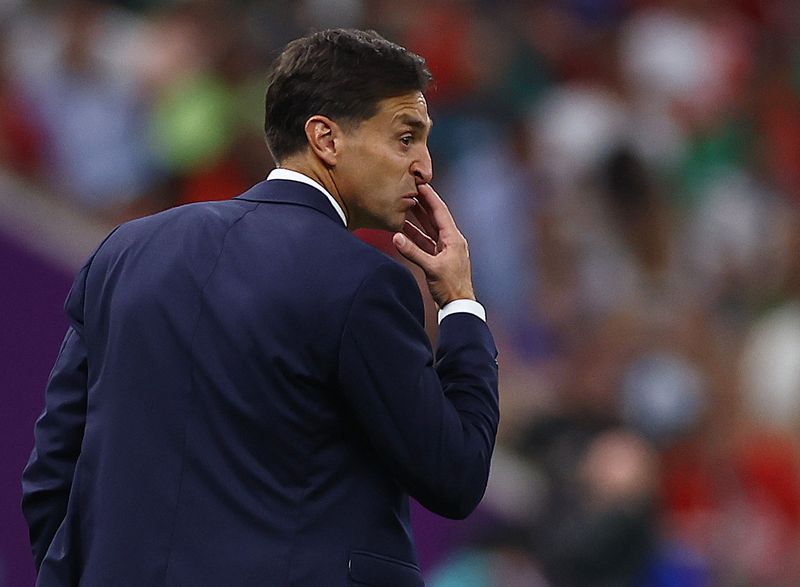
x=21 y=140
x=95 y=150
x=492 y=189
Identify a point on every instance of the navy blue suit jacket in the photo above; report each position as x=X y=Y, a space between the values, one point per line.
x=246 y=396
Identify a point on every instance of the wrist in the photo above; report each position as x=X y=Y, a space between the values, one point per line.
x=464 y=293
x=456 y=296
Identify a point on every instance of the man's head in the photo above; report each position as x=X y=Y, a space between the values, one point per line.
x=341 y=74
x=350 y=103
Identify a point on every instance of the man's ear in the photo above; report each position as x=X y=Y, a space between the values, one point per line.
x=322 y=134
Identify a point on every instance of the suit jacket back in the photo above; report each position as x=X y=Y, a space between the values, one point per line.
x=250 y=395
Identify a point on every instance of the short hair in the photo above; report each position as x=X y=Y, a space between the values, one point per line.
x=339 y=73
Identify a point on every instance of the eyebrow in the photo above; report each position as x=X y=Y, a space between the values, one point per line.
x=415 y=122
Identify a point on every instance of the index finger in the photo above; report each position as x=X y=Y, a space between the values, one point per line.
x=424 y=221
x=436 y=208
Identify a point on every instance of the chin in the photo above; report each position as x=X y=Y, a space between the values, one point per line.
x=389 y=225
x=397 y=225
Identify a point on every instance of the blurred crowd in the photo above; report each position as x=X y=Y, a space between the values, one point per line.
x=627 y=173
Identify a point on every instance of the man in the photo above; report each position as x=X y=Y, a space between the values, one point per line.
x=246 y=394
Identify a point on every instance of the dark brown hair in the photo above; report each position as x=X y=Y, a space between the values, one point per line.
x=341 y=74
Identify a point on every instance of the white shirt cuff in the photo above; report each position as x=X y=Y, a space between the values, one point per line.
x=467 y=306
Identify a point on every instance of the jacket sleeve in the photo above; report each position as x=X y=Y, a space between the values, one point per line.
x=434 y=424
x=58 y=433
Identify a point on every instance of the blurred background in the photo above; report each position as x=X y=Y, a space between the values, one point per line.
x=627 y=173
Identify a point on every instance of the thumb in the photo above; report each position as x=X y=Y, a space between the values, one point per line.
x=409 y=250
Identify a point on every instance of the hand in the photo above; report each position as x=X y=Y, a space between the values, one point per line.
x=438 y=247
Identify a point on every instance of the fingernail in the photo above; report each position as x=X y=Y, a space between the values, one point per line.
x=400 y=240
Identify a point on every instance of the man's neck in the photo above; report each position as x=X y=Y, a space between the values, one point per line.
x=320 y=174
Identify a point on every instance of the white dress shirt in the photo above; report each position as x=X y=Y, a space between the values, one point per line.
x=454 y=307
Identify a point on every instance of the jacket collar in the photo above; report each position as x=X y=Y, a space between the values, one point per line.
x=285 y=191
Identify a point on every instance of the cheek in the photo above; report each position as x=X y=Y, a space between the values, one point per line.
x=385 y=176
x=381 y=174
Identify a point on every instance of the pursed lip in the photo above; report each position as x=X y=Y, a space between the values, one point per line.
x=410 y=200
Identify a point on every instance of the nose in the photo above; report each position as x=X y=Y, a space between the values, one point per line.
x=422 y=167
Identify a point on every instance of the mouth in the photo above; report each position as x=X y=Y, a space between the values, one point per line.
x=410 y=201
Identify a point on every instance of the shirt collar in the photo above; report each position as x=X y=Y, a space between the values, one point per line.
x=290 y=175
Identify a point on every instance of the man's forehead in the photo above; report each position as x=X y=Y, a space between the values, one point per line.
x=409 y=108
x=412 y=99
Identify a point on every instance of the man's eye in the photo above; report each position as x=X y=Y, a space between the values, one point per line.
x=406 y=140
